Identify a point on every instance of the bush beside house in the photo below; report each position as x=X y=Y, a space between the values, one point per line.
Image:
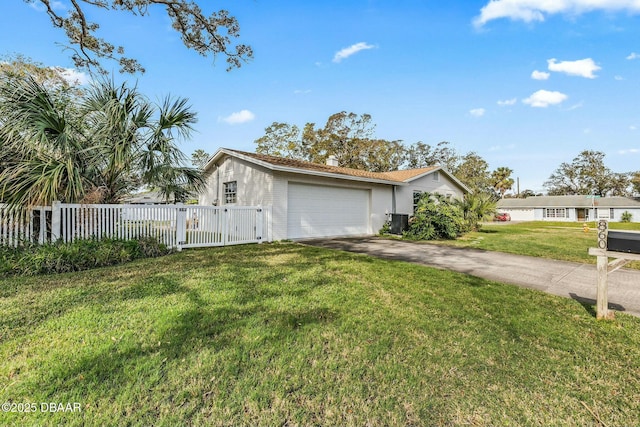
x=438 y=217
x=435 y=217
x=79 y=255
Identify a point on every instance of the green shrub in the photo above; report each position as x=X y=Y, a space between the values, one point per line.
x=386 y=228
x=435 y=218
x=626 y=216
x=61 y=257
x=476 y=207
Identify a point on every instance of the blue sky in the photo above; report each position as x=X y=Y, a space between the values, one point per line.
x=526 y=84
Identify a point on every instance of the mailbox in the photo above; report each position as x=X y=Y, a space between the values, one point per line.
x=623 y=241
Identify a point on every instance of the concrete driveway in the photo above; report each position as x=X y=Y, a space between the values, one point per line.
x=567 y=279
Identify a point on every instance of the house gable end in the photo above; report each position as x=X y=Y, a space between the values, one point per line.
x=442 y=173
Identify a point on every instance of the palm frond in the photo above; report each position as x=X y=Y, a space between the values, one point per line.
x=95 y=147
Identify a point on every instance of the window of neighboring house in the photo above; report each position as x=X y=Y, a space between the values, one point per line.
x=611 y=213
x=230 y=192
x=416 y=199
x=555 y=213
x=436 y=176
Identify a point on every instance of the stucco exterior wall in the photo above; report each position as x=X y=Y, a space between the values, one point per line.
x=617 y=214
x=425 y=184
x=279 y=207
x=539 y=214
x=255 y=184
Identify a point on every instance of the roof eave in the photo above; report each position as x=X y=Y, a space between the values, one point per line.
x=214 y=159
x=336 y=175
x=413 y=178
x=273 y=167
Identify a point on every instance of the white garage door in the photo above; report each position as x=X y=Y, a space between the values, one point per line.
x=320 y=211
x=520 y=214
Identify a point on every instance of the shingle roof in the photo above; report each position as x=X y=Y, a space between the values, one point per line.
x=569 y=202
x=400 y=177
x=317 y=167
x=405 y=175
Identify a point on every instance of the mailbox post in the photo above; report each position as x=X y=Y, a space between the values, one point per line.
x=623 y=247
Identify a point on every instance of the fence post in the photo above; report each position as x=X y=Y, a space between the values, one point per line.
x=56 y=221
x=42 y=234
x=269 y=219
x=225 y=226
x=181 y=226
x=260 y=224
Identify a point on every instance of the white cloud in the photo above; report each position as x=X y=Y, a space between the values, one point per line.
x=540 y=75
x=72 y=76
x=582 y=67
x=302 y=91
x=506 y=102
x=351 y=50
x=619 y=78
x=55 y=5
x=629 y=151
x=544 y=98
x=239 y=117
x=633 y=127
x=537 y=10
x=477 y=112
x=576 y=106
x=633 y=55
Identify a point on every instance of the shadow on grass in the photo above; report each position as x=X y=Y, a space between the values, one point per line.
x=589 y=304
x=52 y=296
x=200 y=328
x=200 y=325
x=468 y=279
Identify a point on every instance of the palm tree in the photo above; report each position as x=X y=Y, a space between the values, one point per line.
x=95 y=148
x=477 y=207
x=42 y=148
x=502 y=180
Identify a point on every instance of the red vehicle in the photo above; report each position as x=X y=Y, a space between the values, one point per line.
x=502 y=216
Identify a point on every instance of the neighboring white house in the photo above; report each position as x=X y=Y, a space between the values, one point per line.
x=317 y=200
x=147 y=198
x=570 y=208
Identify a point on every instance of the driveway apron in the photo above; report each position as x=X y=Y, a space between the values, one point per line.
x=567 y=279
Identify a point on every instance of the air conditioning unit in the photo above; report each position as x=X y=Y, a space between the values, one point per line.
x=399 y=223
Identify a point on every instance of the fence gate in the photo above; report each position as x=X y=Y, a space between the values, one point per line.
x=220 y=226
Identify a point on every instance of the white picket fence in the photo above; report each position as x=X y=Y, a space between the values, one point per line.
x=177 y=226
x=25 y=225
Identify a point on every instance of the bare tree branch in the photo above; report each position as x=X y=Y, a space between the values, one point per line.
x=207 y=35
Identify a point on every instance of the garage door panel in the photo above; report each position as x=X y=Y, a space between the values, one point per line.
x=320 y=211
x=521 y=214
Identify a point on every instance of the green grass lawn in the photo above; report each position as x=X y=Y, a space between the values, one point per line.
x=565 y=241
x=282 y=334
